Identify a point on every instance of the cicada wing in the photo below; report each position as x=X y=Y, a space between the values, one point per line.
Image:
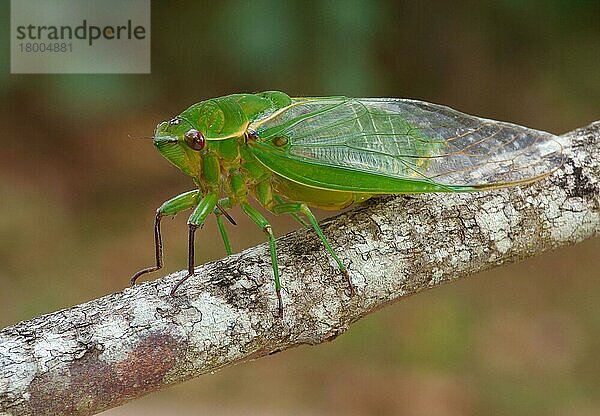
x=406 y=140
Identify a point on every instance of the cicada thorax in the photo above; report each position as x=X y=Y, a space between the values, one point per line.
x=228 y=117
x=216 y=163
x=226 y=167
x=218 y=119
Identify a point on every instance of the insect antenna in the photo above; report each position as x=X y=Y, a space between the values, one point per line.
x=140 y=137
x=229 y=218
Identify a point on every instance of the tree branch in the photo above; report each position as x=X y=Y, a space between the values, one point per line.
x=105 y=352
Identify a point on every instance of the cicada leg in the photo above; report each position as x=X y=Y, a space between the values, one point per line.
x=294 y=215
x=171 y=207
x=296 y=208
x=222 y=205
x=204 y=208
x=262 y=222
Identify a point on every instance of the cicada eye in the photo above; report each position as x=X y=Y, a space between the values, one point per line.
x=195 y=139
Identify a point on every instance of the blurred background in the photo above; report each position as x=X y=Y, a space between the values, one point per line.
x=77 y=197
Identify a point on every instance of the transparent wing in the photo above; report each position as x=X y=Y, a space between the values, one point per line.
x=412 y=140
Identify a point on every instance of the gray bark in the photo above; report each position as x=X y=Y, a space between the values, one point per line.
x=105 y=352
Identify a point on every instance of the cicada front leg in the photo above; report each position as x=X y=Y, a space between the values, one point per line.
x=204 y=208
x=172 y=207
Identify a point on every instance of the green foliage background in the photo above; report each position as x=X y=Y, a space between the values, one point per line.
x=77 y=196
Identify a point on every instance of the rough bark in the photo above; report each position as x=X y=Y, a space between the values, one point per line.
x=103 y=353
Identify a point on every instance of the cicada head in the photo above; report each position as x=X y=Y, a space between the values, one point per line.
x=181 y=144
x=201 y=129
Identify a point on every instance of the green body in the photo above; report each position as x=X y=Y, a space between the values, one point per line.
x=236 y=166
x=292 y=153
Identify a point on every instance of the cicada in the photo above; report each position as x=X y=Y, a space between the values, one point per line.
x=291 y=154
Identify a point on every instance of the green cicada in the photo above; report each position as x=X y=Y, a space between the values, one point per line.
x=292 y=153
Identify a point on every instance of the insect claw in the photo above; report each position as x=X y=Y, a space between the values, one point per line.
x=179 y=283
x=349 y=281
x=279 y=305
x=173 y=290
x=136 y=276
